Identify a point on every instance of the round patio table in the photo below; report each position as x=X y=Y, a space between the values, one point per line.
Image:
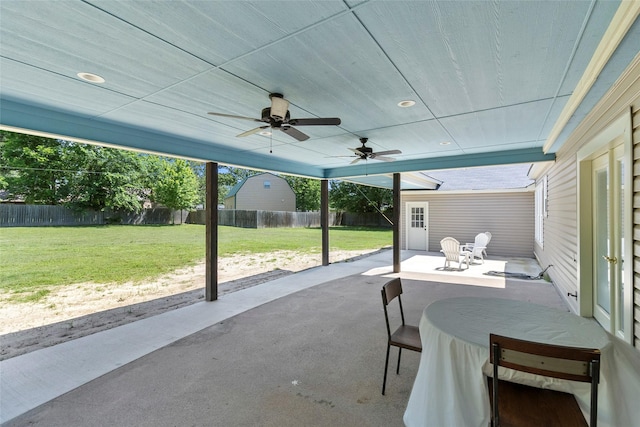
x=451 y=384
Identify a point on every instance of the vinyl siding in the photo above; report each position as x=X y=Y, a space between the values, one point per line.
x=509 y=216
x=561 y=233
x=561 y=227
x=254 y=196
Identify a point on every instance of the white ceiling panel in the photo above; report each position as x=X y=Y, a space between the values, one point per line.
x=56 y=91
x=217 y=31
x=508 y=125
x=478 y=55
x=68 y=37
x=489 y=78
x=334 y=70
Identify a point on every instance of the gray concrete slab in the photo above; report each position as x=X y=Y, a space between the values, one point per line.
x=306 y=347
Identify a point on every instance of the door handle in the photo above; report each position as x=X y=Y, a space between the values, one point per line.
x=613 y=260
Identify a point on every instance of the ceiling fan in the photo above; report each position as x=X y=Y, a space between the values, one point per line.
x=277 y=117
x=365 y=153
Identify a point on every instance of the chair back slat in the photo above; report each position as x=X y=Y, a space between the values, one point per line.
x=569 y=363
x=391 y=290
x=544 y=364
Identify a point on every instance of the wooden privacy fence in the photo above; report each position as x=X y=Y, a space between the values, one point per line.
x=43 y=215
x=265 y=219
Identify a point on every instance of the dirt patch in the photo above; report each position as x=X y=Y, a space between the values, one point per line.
x=81 y=309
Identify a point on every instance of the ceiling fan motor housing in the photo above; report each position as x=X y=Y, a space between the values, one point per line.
x=279 y=107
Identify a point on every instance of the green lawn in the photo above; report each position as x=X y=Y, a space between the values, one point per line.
x=34 y=259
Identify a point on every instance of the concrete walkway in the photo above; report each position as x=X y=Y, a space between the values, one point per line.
x=32 y=379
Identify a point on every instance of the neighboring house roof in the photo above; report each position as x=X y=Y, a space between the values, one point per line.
x=483 y=178
x=234 y=190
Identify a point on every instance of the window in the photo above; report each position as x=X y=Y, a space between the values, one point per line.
x=541 y=209
x=267 y=185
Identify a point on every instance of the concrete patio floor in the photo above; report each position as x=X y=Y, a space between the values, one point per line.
x=305 y=349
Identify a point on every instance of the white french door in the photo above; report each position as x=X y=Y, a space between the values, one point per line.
x=608 y=240
x=417 y=220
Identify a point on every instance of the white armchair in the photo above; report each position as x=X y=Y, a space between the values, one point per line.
x=478 y=248
x=452 y=252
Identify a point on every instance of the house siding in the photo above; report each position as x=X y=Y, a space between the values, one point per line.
x=560 y=226
x=254 y=196
x=509 y=216
x=561 y=233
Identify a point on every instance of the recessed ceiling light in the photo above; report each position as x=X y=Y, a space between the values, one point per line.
x=265 y=133
x=406 y=104
x=445 y=143
x=93 y=78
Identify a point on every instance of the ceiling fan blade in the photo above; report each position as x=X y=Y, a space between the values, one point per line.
x=384 y=153
x=234 y=117
x=293 y=132
x=355 y=161
x=358 y=152
x=326 y=121
x=252 y=131
x=383 y=158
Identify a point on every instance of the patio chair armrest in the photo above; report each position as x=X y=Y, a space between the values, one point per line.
x=466 y=246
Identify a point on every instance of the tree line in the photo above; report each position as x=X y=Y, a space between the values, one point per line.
x=41 y=170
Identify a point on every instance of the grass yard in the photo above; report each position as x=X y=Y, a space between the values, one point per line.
x=35 y=259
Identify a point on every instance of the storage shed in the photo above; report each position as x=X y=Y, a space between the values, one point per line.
x=264 y=191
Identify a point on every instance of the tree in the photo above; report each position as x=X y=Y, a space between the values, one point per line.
x=49 y=171
x=32 y=168
x=307 y=192
x=105 y=178
x=200 y=171
x=177 y=187
x=350 y=197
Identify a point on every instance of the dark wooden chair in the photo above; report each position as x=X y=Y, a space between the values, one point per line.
x=519 y=405
x=406 y=336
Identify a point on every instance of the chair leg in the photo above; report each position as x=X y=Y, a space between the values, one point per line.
x=399 y=354
x=386 y=365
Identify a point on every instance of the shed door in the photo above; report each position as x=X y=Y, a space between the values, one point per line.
x=418 y=226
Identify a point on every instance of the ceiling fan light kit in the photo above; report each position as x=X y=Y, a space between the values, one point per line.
x=277 y=117
x=279 y=110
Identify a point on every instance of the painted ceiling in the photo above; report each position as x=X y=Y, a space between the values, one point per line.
x=490 y=79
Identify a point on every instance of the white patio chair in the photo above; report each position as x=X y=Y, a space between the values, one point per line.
x=478 y=247
x=488 y=233
x=452 y=252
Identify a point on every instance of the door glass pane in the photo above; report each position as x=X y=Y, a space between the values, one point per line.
x=620 y=290
x=603 y=273
x=417 y=217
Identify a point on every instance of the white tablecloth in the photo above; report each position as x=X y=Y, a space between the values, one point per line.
x=451 y=386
